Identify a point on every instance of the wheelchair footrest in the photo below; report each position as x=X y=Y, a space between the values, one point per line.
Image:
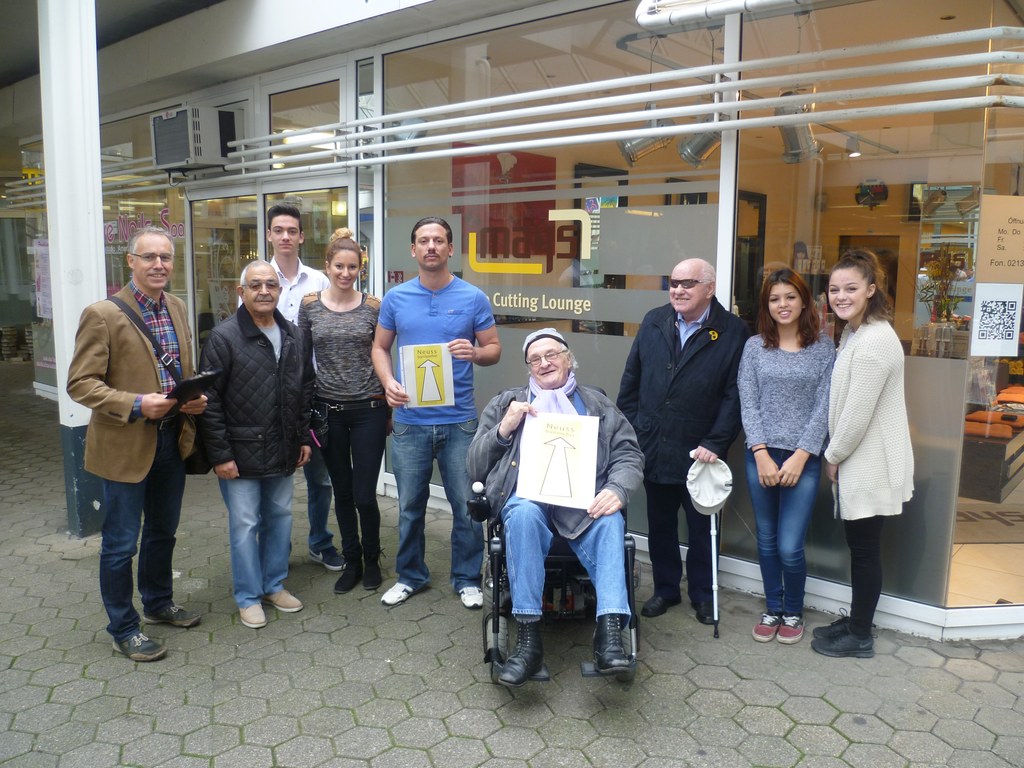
x=588 y=669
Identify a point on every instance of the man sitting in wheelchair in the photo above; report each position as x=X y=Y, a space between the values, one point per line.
x=595 y=534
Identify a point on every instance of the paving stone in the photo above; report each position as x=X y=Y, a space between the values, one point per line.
x=963 y=758
x=817 y=740
x=711 y=703
x=557 y=757
x=716 y=731
x=124 y=729
x=853 y=699
x=419 y=732
x=872 y=756
x=473 y=723
x=303 y=751
x=246 y=756
x=362 y=742
x=766 y=721
x=1010 y=748
x=911 y=717
x=970 y=669
x=152 y=749
x=91 y=756
x=514 y=741
x=295 y=703
x=921 y=747
x=212 y=740
x=14 y=744
x=460 y=753
x=863 y=728
x=964 y=734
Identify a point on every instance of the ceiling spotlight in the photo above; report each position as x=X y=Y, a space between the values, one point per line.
x=698 y=148
x=412 y=133
x=933 y=202
x=853 y=147
x=969 y=202
x=635 y=149
x=798 y=142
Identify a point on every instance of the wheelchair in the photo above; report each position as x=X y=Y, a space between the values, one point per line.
x=568 y=594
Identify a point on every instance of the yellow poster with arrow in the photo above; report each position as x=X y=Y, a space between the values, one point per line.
x=427 y=375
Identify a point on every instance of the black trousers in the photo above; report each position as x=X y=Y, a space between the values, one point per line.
x=864 y=538
x=663 y=502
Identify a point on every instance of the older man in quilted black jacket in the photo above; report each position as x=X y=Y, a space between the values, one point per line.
x=256 y=432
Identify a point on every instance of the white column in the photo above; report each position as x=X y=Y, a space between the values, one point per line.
x=74 y=207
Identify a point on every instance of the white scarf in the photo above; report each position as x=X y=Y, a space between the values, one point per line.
x=554 y=400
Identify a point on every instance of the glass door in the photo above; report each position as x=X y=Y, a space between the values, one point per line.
x=224 y=240
x=323 y=212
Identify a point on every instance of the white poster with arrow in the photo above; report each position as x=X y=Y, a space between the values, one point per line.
x=558 y=460
x=427 y=375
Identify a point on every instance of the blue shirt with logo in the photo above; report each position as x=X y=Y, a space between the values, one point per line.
x=418 y=315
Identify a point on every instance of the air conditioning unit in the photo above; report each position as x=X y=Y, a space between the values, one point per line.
x=188 y=138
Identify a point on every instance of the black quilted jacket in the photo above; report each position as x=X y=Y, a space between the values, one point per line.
x=258 y=410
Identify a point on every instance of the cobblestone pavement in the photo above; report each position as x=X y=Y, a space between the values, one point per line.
x=346 y=682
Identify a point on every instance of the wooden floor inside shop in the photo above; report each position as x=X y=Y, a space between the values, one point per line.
x=988 y=552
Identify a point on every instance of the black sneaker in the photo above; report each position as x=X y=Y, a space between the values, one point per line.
x=138 y=647
x=837 y=627
x=174 y=615
x=328 y=558
x=844 y=644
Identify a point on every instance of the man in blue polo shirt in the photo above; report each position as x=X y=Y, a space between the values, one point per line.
x=435 y=308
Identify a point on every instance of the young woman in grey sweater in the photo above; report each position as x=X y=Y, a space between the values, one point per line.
x=784 y=387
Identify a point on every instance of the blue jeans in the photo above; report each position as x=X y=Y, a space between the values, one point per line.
x=318 y=498
x=260 y=533
x=158 y=498
x=600 y=549
x=782 y=516
x=355 y=446
x=413 y=450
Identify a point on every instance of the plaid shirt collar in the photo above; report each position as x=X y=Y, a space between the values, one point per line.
x=146 y=301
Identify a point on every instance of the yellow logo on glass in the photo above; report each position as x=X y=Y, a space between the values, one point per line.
x=565 y=214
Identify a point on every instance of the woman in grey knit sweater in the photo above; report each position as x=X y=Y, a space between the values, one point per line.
x=784 y=385
x=340 y=323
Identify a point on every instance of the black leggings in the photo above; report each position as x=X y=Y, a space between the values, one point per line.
x=864 y=538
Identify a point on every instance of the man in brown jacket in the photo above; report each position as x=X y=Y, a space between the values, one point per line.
x=136 y=440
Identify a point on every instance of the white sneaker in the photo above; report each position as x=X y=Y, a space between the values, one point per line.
x=399 y=593
x=472 y=597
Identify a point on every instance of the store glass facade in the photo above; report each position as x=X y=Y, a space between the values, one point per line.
x=581 y=236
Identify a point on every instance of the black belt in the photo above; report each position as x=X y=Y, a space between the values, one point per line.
x=355 y=405
x=168 y=422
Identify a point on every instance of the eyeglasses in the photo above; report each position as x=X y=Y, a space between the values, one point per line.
x=150 y=258
x=548 y=357
x=258 y=285
x=685 y=284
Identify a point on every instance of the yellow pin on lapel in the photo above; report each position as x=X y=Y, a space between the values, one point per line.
x=713 y=334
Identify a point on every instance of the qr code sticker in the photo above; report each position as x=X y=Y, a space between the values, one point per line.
x=997 y=320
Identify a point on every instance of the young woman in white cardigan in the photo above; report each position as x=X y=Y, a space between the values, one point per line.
x=868 y=458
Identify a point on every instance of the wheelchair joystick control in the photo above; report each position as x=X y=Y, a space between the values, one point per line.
x=479 y=507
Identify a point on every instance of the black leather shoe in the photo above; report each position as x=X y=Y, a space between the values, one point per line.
x=657 y=605
x=349 y=577
x=528 y=659
x=705 y=612
x=609 y=654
